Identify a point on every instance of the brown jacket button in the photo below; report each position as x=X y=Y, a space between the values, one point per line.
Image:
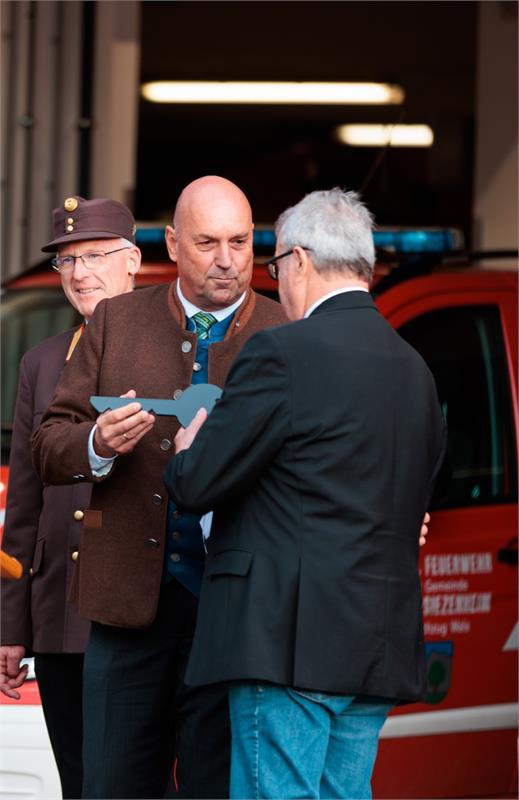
x=75 y=555
x=177 y=393
x=186 y=347
x=152 y=543
x=157 y=499
x=78 y=515
x=165 y=444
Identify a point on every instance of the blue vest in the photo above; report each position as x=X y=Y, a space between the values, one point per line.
x=185 y=552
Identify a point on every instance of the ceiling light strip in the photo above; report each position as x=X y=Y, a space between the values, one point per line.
x=257 y=92
x=383 y=135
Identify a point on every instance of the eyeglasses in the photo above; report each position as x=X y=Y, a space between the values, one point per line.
x=272 y=263
x=90 y=260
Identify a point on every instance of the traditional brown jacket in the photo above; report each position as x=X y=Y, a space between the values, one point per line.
x=134 y=341
x=42 y=525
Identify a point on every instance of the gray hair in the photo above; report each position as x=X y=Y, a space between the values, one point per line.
x=338 y=229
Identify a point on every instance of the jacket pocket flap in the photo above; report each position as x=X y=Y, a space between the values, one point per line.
x=229 y=562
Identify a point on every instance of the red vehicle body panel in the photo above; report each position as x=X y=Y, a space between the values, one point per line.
x=470 y=762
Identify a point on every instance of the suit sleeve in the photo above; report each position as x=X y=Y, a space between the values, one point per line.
x=440 y=443
x=60 y=445
x=23 y=507
x=245 y=430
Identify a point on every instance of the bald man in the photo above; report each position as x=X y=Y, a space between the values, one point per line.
x=141 y=558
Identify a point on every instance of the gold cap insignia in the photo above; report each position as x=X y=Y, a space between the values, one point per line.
x=70 y=204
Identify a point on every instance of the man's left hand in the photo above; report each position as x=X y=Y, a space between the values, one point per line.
x=185 y=436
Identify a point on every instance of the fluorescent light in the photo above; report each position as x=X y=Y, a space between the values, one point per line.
x=272 y=92
x=381 y=135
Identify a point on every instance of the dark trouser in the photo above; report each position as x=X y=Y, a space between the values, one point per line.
x=60 y=681
x=139 y=717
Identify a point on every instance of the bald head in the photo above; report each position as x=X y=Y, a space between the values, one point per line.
x=211 y=242
x=207 y=192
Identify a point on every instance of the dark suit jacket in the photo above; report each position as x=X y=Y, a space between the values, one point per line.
x=135 y=341
x=40 y=529
x=323 y=451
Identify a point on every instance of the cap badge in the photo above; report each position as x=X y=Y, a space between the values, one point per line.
x=70 y=204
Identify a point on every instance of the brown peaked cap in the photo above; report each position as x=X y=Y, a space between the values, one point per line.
x=79 y=220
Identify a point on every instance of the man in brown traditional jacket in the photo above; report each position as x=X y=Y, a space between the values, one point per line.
x=96 y=259
x=140 y=560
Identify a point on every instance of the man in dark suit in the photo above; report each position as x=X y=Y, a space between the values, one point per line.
x=319 y=462
x=43 y=522
x=141 y=559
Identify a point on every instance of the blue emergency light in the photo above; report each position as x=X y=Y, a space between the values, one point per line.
x=424 y=240
x=398 y=240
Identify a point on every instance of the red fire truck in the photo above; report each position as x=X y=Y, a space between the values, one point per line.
x=461 y=315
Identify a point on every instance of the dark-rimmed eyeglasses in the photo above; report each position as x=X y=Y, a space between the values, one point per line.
x=90 y=260
x=272 y=263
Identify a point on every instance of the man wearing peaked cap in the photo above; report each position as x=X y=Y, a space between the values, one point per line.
x=96 y=257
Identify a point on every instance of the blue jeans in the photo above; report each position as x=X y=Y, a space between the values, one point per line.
x=289 y=743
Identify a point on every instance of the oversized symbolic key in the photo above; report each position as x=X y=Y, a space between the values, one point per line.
x=200 y=395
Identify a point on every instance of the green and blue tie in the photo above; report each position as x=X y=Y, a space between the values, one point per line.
x=203 y=322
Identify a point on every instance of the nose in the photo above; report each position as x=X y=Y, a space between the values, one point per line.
x=223 y=256
x=79 y=271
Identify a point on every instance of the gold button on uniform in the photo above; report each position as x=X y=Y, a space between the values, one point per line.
x=70 y=228
x=177 y=393
x=197 y=367
x=74 y=556
x=78 y=515
x=70 y=221
x=186 y=347
x=175 y=557
x=70 y=204
x=165 y=444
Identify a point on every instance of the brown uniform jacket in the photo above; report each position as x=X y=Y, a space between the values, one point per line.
x=40 y=528
x=135 y=341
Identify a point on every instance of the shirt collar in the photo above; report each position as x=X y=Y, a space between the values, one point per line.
x=219 y=314
x=343 y=290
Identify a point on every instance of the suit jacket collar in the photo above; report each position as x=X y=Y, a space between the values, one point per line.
x=345 y=301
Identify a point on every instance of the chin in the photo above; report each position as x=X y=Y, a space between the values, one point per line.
x=224 y=297
x=87 y=309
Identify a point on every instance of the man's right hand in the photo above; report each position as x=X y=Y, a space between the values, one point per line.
x=118 y=431
x=12 y=675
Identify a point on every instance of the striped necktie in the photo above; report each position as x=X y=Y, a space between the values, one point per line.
x=203 y=322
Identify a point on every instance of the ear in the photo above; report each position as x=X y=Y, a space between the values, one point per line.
x=134 y=260
x=303 y=263
x=170 y=236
